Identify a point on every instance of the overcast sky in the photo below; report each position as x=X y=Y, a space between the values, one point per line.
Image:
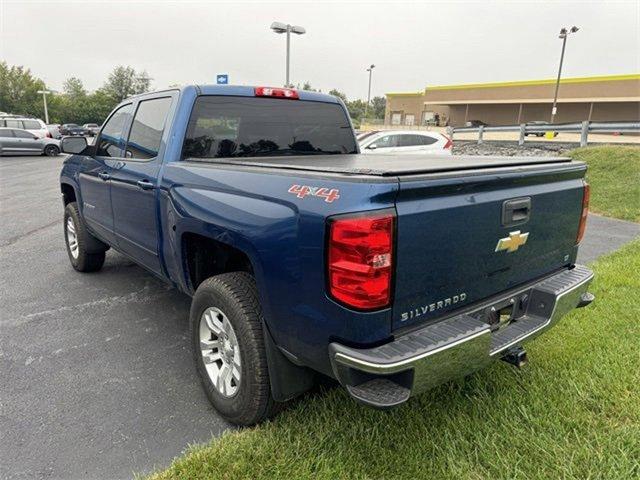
x=412 y=44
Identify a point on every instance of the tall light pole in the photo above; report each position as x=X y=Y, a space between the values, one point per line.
x=288 y=29
x=366 y=107
x=44 y=98
x=564 y=33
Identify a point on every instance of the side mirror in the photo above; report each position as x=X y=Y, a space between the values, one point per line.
x=73 y=144
x=373 y=146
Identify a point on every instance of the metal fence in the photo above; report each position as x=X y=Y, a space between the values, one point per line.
x=583 y=128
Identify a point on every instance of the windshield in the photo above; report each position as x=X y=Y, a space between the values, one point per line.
x=230 y=127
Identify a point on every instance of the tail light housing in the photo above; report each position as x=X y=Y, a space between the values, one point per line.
x=48 y=135
x=289 y=93
x=585 y=212
x=449 y=143
x=360 y=259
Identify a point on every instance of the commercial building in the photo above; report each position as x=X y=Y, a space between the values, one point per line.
x=603 y=98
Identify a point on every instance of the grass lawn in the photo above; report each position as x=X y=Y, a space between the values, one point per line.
x=573 y=412
x=614 y=175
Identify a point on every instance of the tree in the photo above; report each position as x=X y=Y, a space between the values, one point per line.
x=73 y=87
x=377 y=108
x=125 y=81
x=19 y=91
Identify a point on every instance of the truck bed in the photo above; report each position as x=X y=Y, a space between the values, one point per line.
x=387 y=165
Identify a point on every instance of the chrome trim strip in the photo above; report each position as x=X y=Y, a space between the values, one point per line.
x=393 y=367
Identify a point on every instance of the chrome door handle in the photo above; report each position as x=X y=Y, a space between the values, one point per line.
x=104 y=176
x=145 y=184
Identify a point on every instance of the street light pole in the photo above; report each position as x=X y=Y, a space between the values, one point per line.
x=366 y=107
x=44 y=98
x=279 y=27
x=563 y=35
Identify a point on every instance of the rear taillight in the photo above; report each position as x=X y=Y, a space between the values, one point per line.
x=585 y=211
x=276 y=93
x=449 y=143
x=360 y=260
x=48 y=135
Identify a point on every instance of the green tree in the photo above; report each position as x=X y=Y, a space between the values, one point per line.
x=339 y=94
x=74 y=88
x=125 y=81
x=377 y=107
x=19 y=91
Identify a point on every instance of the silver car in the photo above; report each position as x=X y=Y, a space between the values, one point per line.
x=15 y=141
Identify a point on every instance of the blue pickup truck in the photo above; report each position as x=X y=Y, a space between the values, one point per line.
x=305 y=259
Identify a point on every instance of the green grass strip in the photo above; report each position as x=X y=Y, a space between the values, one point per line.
x=614 y=175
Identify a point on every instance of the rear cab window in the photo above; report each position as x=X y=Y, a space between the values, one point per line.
x=233 y=127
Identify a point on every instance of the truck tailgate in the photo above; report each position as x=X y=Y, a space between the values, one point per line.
x=449 y=227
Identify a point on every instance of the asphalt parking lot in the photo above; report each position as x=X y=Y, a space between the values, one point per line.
x=96 y=370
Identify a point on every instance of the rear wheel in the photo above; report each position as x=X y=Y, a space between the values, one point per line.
x=51 y=150
x=228 y=348
x=86 y=253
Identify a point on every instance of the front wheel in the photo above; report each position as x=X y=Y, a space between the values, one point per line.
x=51 y=150
x=228 y=347
x=86 y=253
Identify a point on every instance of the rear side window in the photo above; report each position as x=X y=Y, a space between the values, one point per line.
x=31 y=125
x=14 y=123
x=414 y=140
x=146 y=130
x=5 y=133
x=228 y=127
x=23 y=134
x=111 y=141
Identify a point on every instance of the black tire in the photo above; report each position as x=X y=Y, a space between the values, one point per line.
x=235 y=294
x=51 y=151
x=90 y=251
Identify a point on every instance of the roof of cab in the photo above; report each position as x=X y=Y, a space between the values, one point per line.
x=249 y=91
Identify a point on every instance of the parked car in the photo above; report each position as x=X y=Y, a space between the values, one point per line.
x=538 y=123
x=71 y=129
x=303 y=258
x=15 y=141
x=475 y=123
x=91 y=129
x=407 y=142
x=32 y=125
x=54 y=130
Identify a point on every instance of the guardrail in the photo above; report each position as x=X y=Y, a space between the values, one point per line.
x=584 y=128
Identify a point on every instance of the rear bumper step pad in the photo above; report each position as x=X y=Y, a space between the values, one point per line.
x=387 y=375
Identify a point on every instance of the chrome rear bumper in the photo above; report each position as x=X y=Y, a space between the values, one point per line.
x=388 y=375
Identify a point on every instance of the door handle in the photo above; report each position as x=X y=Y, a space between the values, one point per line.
x=104 y=176
x=145 y=184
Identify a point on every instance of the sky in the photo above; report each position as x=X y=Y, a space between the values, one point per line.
x=412 y=44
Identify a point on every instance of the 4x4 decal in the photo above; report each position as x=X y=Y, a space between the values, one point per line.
x=302 y=191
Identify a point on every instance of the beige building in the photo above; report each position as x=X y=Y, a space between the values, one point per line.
x=604 y=98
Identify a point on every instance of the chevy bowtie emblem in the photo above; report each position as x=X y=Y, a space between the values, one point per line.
x=512 y=242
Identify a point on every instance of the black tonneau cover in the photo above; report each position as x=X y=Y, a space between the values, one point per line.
x=385 y=165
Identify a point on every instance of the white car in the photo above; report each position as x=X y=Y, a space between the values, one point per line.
x=410 y=142
x=33 y=125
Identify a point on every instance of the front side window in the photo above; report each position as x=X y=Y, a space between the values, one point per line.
x=31 y=125
x=14 y=123
x=111 y=141
x=385 y=142
x=230 y=127
x=146 y=130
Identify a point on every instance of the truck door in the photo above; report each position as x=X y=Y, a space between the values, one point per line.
x=96 y=171
x=134 y=183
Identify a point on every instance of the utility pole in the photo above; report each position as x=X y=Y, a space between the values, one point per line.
x=366 y=107
x=44 y=98
x=279 y=27
x=564 y=33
